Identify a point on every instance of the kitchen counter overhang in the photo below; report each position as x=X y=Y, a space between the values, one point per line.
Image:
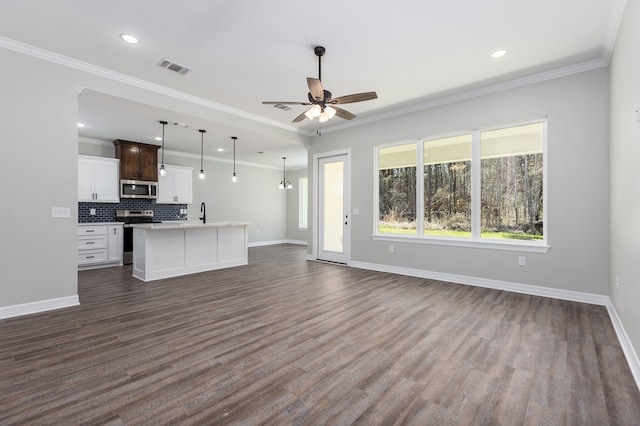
x=163 y=250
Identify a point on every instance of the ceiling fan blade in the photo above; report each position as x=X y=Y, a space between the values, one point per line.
x=356 y=97
x=300 y=117
x=315 y=88
x=343 y=113
x=285 y=103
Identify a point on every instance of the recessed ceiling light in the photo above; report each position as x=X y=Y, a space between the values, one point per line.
x=220 y=149
x=129 y=38
x=80 y=124
x=498 y=53
x=158 y=138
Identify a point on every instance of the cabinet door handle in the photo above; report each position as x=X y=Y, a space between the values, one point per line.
x=90 y=242
x=90 y=230
x=89 y=257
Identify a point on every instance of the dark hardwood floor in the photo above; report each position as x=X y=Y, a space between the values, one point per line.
x=285 y=341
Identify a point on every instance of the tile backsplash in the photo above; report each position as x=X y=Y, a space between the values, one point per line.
x=106 y=212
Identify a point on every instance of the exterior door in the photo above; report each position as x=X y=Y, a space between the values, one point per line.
x=333 y=209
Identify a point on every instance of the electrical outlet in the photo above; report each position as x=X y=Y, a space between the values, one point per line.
x=392 y=248
x=92 y=212
x=522 y=261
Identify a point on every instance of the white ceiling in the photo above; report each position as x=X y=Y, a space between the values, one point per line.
x=241 y=52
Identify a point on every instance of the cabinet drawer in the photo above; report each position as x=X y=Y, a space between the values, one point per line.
x=92 y=242
x=92 y=230
x=87 y=257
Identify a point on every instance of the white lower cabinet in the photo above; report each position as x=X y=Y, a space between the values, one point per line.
x=99 y=245
x=115 y=243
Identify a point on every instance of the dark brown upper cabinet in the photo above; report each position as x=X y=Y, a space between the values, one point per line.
x=138 y=161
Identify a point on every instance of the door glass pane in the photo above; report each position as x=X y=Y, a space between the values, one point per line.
x=333 y=231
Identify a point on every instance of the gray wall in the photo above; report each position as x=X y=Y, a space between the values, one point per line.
x=577 y=172
x=624 y=185
x=39 y=150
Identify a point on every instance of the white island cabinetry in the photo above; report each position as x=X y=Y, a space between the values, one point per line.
x=173 y=249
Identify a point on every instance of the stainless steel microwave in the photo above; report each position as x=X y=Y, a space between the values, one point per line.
x=138 y=189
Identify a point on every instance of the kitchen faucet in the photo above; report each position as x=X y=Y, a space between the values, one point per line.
x=203 y=209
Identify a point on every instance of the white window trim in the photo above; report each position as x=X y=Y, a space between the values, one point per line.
x=475 y=241
x=508 y=245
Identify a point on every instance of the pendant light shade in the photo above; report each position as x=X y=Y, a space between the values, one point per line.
x=285 y=184
x=202 y=175
x=234 y=178
x=162 y=170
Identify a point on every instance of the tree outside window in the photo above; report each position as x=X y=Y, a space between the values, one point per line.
x=397 y=193
x=447 y=186
x=512 y=182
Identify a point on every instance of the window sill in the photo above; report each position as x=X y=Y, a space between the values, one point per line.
x=521 y=246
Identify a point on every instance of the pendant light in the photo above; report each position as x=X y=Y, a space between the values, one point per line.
x=285 y=183
x=234 y=178
x=202 y=175
x=162 y=170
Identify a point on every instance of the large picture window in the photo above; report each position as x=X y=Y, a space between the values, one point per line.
x=447 y=186
x=512 y=186
x=397 y=182
x=484 y=185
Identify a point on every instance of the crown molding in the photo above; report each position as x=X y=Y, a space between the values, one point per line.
x=66 y=61
x=495 y=88
x=36 y=52
x=614 y=26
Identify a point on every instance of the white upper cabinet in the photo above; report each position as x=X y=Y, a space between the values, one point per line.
x=98 y=179
x=176 y=186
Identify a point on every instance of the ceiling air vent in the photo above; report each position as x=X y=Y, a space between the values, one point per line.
x=170 y=65
x=282 y=107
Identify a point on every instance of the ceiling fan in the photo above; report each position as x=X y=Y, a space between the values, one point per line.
x=323 y=105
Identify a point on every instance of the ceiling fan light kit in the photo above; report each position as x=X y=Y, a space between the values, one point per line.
x=322 y=103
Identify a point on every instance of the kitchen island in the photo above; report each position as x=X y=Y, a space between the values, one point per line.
x=163 y=250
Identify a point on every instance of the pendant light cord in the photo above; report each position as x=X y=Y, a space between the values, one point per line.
x=164 y=123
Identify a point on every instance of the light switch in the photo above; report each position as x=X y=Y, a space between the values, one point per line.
x=60 y=212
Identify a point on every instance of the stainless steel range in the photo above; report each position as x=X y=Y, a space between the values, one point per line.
x=129 y=217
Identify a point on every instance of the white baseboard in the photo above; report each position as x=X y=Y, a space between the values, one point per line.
x=574 y=296
x=274 y=242
x=40 y=306
x=297 y=242
x=627 y=347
